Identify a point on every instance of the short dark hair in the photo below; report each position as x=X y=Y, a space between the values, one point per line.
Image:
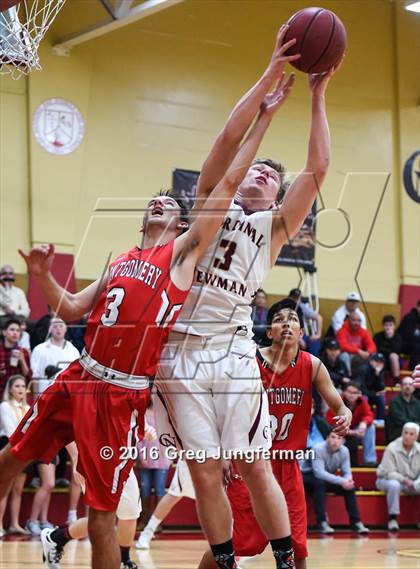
x=352 y=384
x=281 y=170
x=295 y=292
x=11 y=321
x=388 y=318
x=183 y=206
x=260 y=290
x=281 y=305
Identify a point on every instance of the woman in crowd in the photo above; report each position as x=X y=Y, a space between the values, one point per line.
x=12 y=409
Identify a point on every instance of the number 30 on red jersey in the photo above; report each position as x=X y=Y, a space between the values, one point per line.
x=280 y=432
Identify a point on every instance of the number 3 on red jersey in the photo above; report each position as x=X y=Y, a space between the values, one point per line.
x=116 y=295
x=280 y=434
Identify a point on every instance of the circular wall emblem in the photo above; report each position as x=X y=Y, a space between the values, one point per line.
x=58 y=126
x=411 y=176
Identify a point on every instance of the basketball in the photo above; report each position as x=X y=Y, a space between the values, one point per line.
x=320 y=39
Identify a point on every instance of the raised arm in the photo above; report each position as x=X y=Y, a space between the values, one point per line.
x=288 y=219
x=325 y=387
x=190 y=246
x=70 y=306
x=227 y=143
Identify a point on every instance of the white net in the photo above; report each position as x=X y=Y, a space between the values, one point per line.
x=22 y=28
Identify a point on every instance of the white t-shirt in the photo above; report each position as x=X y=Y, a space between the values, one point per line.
x=48 y=354
x=228 y=275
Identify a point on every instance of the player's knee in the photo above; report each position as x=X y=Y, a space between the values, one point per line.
x=9 y=465
x=207 y=477
x=257 y=474
x=100 y=524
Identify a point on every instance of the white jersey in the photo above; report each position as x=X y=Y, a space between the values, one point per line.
x=228 y=275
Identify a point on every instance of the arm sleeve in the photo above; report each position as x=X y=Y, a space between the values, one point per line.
x=24 y=309
x=7 y=419
x=28 y=363
x=369 y=343
x=35 y=363
x=345 y=466
x=363 y=319
x=337 y=320
x=367 y=413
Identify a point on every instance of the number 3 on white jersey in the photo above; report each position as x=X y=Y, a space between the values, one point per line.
x=286 y=421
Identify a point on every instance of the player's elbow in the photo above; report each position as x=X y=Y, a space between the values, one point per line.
x=319 y=168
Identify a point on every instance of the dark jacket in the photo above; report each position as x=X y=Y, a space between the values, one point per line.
x=369 y=381
x=409 y=329
x=337 y=370
x=388 y=345
x=401 y=412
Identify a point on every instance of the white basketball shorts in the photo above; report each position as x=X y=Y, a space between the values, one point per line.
x=210 y=399
x=129 y=506
x=182 y=484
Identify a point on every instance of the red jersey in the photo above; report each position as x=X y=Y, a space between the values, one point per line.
x=290 y=401
x=131 y=321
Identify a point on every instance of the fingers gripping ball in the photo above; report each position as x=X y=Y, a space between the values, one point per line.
x=321 y=39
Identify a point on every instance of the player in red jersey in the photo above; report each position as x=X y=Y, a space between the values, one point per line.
x=99 y=400
x=288 y=375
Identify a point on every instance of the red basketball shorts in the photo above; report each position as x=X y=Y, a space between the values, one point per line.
x=248 y=539
x=102 y=418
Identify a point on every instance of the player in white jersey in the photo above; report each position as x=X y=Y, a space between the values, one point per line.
x=208 y=381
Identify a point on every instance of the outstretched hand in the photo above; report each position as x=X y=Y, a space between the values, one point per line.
x=318 y=82
x=39 y=260
x=279 y=59
x=274 y=100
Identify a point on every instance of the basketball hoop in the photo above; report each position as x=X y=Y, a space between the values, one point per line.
x=23 y=24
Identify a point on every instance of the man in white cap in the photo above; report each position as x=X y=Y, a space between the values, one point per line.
x=349 y=307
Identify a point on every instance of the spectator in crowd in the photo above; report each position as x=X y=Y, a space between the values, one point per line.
x=370 y=377
x=13 y=359
x=153 y=466
x=389 y=343
x=25 y=341
x=351 y=306
x=362 y=429
x=334 y=364
x=409 y=329
x=312 y=323
x=56 y=351
x=319 y=430
x=404 y=408
x=39 y=331
x=12 y=410
x=259 y=317
x=330 y=456
x=76 y=333
x=12 y=299
x=355 y=342
x=399 y=471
